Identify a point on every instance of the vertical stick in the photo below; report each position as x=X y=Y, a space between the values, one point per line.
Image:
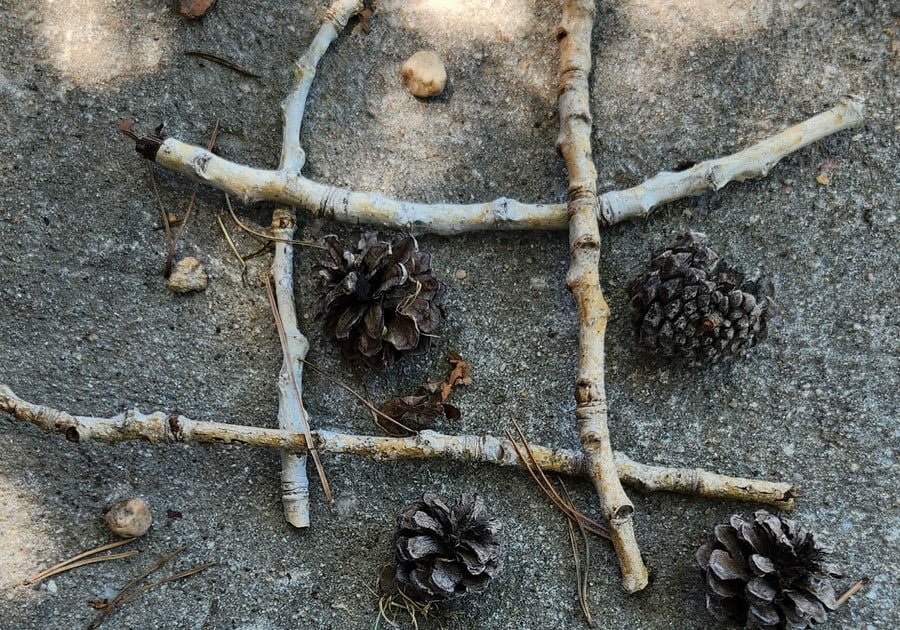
x=583 y=279
x=291 y=414
x=291 y=417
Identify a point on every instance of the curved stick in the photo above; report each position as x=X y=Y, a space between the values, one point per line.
x=288 y=186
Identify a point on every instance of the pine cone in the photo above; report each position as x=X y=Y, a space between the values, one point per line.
x=767 y=573
x=381 y=301
x=689 y=303
x=445 y=552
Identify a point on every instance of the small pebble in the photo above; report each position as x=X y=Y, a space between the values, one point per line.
x=51 y=587
x=194 y=9
x=424 y=74
x=461 y=274
x=129 y=518
x=188 y=275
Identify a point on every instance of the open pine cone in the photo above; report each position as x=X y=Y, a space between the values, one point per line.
x=381 y=300
x=689 y=303
x=446 y=551
x=767 y=572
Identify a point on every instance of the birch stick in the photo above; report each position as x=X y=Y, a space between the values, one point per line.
x=294 y=104
x=753 y=162
x=292 y=415
x=162 y=428
x=583 y=280
x=289 y=187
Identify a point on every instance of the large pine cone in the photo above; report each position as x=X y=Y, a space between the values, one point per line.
x=689 y=303
x=381 y=300
x=768 y=572
x=444 y=551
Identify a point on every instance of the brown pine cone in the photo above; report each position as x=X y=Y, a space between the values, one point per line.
x=689 y=303
x=767 y=572
x=446 y=551
x=379 y=301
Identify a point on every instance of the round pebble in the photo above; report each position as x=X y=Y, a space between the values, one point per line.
x=424 y=74
x=129 y=518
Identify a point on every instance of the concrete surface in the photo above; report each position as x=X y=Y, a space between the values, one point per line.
x=87 y=323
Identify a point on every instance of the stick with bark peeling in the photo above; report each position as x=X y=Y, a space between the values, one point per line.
x=162 y=428
x=583 y=280
x=292 y=415
x=350 y=206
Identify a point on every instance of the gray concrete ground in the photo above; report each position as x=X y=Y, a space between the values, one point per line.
x=88 y=325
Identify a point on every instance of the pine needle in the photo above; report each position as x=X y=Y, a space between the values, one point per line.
x=375 y=410
x=127 y=593
x=73 y=562
x=531 y=465
x=850 y=592
x=263 y=235
x=582 y=562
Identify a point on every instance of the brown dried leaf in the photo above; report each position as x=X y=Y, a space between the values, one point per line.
x=364 y=20
x=430 y=401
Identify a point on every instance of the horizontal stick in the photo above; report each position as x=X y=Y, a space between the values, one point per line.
x=162 y=428
x=291 y=188
x=751 y=163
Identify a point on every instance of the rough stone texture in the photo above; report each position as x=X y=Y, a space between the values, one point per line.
x=188 y=275
x=87 y=322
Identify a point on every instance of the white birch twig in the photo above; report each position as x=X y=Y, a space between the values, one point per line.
x=162 y=428
x=583 y=280
x=753 y=162
x=288 y=186
x=292 y=414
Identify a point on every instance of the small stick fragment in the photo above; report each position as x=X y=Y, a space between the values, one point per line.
x=850 y=592
x=222 y=62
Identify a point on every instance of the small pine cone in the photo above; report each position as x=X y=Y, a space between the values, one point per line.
x=691 y=304
x=380 y=301
x=443 y=551
x=768 y=572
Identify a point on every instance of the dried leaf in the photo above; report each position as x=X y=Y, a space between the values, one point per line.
x=364 y=23
x=430 y=401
